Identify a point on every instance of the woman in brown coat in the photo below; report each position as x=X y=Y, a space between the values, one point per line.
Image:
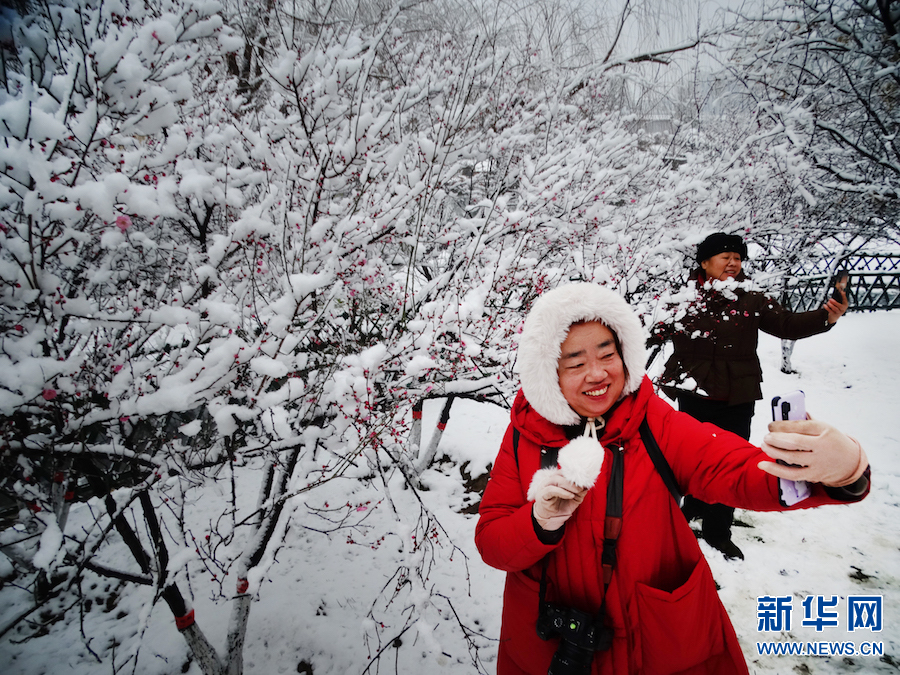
x=714 y=372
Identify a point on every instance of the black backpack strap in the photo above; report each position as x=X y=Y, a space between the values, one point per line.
x=659 y=461
x=516 y=445
x=548 y=455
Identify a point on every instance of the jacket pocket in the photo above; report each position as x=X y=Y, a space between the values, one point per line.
x=681 y=629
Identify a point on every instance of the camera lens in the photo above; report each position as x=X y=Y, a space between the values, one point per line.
x=571 y=659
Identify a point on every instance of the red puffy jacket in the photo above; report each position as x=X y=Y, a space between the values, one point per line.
x=662 y=602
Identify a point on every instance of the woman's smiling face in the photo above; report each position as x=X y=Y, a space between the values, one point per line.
x=590 y=369
x=722 y=266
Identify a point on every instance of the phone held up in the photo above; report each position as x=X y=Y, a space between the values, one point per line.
x=791 y=406
x=840 y=282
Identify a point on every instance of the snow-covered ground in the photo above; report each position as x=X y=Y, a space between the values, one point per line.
x=326 y=595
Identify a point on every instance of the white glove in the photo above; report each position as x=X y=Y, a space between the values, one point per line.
x=818 y=453
x=555 y=498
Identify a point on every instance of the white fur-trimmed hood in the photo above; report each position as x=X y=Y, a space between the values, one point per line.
x=547 y=326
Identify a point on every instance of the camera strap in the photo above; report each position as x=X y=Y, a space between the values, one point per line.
x=612 y=525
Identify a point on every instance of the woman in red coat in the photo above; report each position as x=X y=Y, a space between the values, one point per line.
x=624 y=581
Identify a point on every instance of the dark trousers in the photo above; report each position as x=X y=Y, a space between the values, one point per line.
x=716 y=518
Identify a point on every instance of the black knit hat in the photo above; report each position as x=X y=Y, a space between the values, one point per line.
x=718 y=243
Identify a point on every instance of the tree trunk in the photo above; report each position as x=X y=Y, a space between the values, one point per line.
x=428 y=457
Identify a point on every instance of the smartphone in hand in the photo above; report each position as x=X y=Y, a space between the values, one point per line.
x=840 y=282
x=791 y=406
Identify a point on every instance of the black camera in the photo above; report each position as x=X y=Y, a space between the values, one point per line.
x=580 y=636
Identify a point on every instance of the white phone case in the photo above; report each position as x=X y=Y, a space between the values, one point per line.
x=791 y=406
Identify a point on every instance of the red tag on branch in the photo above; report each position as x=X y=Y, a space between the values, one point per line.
x=186 y=621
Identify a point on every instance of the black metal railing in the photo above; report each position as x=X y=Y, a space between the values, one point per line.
x=874 y=283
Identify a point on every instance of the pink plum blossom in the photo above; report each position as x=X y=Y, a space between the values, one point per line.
x=123 y=223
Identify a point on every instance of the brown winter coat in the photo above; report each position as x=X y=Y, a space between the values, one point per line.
x=715 y=344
